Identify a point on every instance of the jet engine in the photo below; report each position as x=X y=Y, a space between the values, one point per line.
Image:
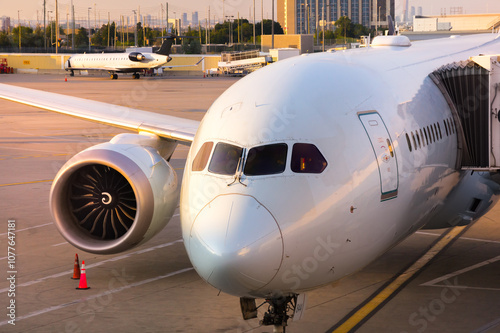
x=116 y=195
x=136 y=56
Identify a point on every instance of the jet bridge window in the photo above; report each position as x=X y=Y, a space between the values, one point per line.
x=306 y=158
x=201 y=159
x=266 y=160
x=225 y=159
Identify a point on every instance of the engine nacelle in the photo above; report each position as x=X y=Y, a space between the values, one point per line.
x=116 y=195
x=136 y=56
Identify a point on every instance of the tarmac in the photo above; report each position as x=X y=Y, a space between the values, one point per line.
x=153 y=288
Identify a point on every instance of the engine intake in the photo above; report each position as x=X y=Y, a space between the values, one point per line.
x=114 y=196
x=136 y=56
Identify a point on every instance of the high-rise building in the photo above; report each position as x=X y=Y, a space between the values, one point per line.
x=184 y=20
x=307 y=16
x=5 y=23
x=194 y=19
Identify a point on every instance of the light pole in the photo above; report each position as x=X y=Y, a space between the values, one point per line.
x=323 y=23
x=253 y=22
x=262 y=20
x=44 y=26
x=300 y=18
x=308 y=9
x=88 y=21
x=229 y=17
x=51 y=30
x=272 y=26
x=378 y=19
x=19 y=28
x=135 y=27
x=57 y=28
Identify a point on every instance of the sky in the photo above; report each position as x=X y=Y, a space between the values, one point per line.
x=33 y=9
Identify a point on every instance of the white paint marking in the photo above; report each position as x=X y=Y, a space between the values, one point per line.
x=30 y=228
x=462 y=238
x=85 y=299
x=68 y=272
x=433 y=283
x=63 y=243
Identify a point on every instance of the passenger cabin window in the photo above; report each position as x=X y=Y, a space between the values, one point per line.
x=266 y=160
x=225 y=159
x=306 y=158
x=201 y=159
x=408 y=141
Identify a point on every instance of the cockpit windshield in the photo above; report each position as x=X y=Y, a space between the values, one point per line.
x=259 y=161
x=306 y=158
x=266 y=160
x=225 y=159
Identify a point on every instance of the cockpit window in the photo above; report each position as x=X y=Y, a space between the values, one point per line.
x=201 y=159
x=225 y=159
x=266 y=160
x=306 y=158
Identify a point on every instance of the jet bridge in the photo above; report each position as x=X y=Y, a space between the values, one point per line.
x=472 y=89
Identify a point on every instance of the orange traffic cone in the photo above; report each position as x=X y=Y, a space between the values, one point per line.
x=83 y=278
x=76 y=268
x=65 y=78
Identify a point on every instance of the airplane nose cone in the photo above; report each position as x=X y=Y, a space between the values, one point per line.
x=235 y=244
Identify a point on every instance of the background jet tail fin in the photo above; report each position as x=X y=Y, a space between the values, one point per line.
x=166 y=46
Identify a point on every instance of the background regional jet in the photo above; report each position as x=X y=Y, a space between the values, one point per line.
x=301 y=173
x=131 y=62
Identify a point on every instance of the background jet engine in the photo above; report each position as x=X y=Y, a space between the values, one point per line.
x=136 y=56
x=116 y=195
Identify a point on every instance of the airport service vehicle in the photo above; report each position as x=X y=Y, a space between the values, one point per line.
x=302 y=172
x=131 y=62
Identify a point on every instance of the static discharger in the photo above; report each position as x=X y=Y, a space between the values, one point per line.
x=76 y=268
x=83 y=278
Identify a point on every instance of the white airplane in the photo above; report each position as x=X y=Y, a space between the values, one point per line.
x=302 y=172
x=131 y=62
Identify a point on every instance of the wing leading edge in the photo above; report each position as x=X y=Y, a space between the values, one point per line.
x=169 y=127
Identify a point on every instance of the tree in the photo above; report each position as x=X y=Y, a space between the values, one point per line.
x=4 y=39
x=278 y=30
x=82 y=38
x=191 y=46
x=345 y=28
x=140 y=34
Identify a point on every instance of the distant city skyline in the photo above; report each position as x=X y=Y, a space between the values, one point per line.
x=32 y=10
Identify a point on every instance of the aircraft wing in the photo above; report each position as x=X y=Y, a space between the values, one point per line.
x=170 y=127
x=196 y=64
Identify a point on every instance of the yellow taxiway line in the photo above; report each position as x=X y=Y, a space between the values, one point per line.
x=383 y=295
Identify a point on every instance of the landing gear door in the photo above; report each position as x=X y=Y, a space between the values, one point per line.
x=385 y=155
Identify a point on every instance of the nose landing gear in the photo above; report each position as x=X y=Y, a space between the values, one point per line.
x=279 y=311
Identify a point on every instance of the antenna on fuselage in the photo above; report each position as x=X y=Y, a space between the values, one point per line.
x=392 y=29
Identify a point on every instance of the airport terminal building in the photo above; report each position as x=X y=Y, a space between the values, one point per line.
x=307 y=16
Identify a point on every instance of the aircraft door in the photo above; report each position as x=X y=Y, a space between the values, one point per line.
x=385 y=155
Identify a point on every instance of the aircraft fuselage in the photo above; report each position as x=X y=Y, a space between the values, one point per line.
x=281 y=218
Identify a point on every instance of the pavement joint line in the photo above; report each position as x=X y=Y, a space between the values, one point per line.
x=69 y=272
x=380 y=297
x=106 y=293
